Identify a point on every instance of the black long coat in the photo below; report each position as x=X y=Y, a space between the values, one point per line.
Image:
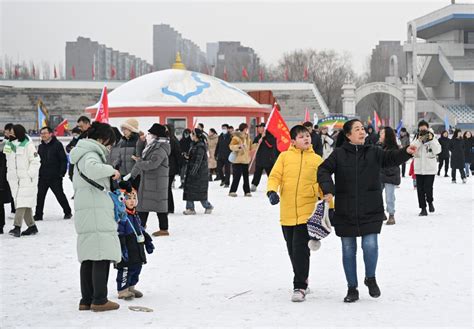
x=175 y=157
x=468 y=150
x=358 y=192
x=196 y=182
x=5 y=193
x=222 y=148
x=53 y=159
x=444 y=142
x=267 y=151
x=457 y=153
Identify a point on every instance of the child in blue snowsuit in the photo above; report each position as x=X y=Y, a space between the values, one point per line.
x=133 y=241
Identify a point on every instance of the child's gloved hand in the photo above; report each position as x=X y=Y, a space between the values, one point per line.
x=127 y=177
x=125 y=255
x=149 y=246
x=273 y=197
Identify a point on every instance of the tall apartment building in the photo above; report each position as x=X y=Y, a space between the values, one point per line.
x=167 y=42
x=89 y=60
x=234 y=57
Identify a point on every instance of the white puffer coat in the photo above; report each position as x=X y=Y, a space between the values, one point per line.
x=23 y=163
x=425 y=156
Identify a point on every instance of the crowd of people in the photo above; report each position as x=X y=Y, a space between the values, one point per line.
x=352 y=166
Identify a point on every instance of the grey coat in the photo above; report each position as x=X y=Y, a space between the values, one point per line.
x=126 y=148
x=153 y=168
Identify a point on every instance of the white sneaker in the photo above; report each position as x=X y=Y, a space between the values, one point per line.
x=298 y=295
x=208 y=210
x=189 y=212
x=253 y=188
x=464 y=180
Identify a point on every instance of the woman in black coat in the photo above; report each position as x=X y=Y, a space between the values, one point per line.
x=185 y=145
x=196 y=182
x=468 y=151
x=456 y=147
x=359 y=204
x=443 y=157
x=5 y=193
x=175 y=160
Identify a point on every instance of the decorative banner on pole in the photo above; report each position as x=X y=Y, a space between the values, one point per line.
x=102 y=114
x=306 y=115
x=334 y=121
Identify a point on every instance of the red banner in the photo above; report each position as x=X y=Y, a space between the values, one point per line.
x=62 y=127
x=245 y=74
x=102 y=114
x=278 y=128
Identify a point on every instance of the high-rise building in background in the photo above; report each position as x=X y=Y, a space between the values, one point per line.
x=89 y=60
x=167 y=42
x=233 y=58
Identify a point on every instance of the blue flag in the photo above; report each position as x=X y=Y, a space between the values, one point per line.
x=42 y=117
x=446 y=123
x=399 y=127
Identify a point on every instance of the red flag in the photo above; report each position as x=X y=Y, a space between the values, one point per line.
x=306 y=73
x=17 y=72
x=73 y=72
x=306 y=115
x=55 y=72
x=62 y=127
x=93 y=72
x=278 y=128
x=286 y=73
x=102 y=114
x=225 y=74
x=132 y=73
x=261 y=75
x=112 y=71
x=377 y=122
x=245 y=74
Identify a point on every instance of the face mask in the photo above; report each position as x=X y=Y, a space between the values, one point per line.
x=149 y=138
x=224 y=131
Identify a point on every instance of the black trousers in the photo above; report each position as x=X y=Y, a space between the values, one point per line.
x=223 y=170
x=297 y=238
x=162 y=219
x=404 y=167
x=424 y=187
x=444 y=161
x=56 y=185
x=170 y=195
x=453 y=174
x=2 y=215
x=240 y=169
x=258 y=174
x=94 y=277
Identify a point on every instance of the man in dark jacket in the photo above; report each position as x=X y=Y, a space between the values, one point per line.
x=372 y=137
x=51 y=173
x=266 y=156
x=83 y=123
x=316 y=140
x=222 y=156
x=443 y=157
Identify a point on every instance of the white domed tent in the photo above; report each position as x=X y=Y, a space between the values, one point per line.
x=175 y=95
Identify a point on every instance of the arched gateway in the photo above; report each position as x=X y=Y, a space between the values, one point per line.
x=405 y=94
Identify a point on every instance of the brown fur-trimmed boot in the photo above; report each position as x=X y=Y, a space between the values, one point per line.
x=125 y=294
x=391 y=220
x=109 y=306
x=138 y=294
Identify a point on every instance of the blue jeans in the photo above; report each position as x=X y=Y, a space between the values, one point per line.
x=389 y=197
x=206 y=204
x=467 y=166
x=349 y=252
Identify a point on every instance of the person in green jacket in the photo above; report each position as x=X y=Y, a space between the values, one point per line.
x=97 y=240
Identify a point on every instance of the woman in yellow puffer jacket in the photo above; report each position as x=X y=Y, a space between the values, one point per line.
x=241 y=145
x=294 y=176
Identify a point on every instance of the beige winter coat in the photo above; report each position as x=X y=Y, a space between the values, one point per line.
x=212 y=145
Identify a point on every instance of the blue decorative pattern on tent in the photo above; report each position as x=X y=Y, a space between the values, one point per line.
x=184 y=98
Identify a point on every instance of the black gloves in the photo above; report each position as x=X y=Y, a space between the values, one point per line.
x=273 y=197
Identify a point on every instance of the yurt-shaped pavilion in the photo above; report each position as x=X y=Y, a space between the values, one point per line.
x=180 y=97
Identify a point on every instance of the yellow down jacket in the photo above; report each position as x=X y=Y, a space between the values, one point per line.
x=294 y=176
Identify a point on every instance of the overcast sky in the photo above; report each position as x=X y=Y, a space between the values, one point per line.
x=38 y=30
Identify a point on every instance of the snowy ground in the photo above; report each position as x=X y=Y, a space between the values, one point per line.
x=424 y=270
